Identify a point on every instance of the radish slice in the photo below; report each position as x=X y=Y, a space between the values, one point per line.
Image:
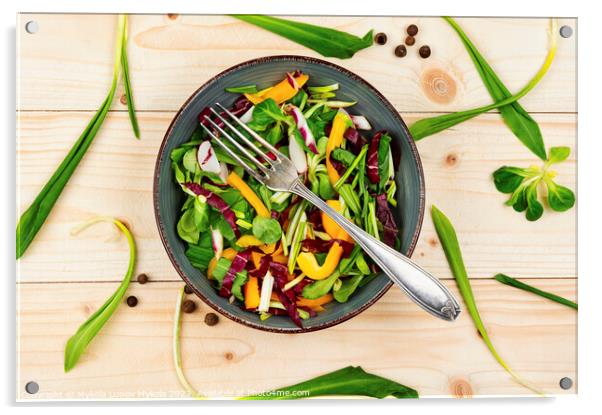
x=303 y=128
x=360 y=122
x=266 y=292
x=223 y=172
x=297 y=155
x=217 y=240
x=207 y=158
x=247 y=116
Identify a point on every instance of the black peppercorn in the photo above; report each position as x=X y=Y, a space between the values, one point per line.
x=187 y=289
x=401 y=51
x=380 y=38
x=142 y=278
x=424 y=51
x=412 y=30
x=132 y=301
x=211 y=319
x=188 y=306
x=410 y=40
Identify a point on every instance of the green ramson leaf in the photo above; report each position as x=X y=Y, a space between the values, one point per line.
x=77 y=343
x=560 y=198
x=504 y=279
x=507 y=179
x=451 y=247
x=348 y=381
x=35 y=215
x=349 y=286
x=266 y=113
x=558 y=154
x=515 y=116
x=534 y=208
x=327 y=42
x=129 y=94
x=267 y=230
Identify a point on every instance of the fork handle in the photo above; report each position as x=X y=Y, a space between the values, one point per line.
x=426 y=290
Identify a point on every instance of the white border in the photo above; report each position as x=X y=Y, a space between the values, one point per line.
x=590 y=151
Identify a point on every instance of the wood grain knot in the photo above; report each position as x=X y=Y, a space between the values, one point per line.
x=123 y=99
x=460 y=388
x=88 y=309
x=451 y=160
x=438 y=86
x=172 y=16
x=228 y=355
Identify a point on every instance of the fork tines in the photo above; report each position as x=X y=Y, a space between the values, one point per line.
x=244 y=149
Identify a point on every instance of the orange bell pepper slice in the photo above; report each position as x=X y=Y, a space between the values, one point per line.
x=228 y=253
x=309 y=265
x=335 y=139
x=251 y=291
x=280 y=92
x=236 y=182
x=316 y=304
x=331 y=227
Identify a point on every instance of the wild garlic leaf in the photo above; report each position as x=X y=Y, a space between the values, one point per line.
x=517 y=119
x=77 y=344
x=326 y=41
x=349 y=381
x=449 y=242
x=504 y=279
x=129 y=95
x=35 y=215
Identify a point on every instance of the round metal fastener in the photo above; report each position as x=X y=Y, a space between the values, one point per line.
x=32 y=388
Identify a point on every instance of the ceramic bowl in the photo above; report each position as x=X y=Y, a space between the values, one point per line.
x=168 y=197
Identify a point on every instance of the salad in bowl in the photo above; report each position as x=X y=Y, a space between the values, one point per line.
x=272 y=253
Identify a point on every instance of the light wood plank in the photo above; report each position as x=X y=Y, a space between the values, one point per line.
x=170 y=59
x=131 y=357
x=115 y=178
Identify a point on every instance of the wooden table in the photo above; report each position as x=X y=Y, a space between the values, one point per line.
x=64 y=73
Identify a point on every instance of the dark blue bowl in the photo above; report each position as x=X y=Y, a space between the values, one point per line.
x=168 y=197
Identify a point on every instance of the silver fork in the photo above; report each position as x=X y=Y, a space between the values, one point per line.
x=281 y=175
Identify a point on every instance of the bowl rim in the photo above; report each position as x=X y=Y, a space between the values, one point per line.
x=162 y=232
